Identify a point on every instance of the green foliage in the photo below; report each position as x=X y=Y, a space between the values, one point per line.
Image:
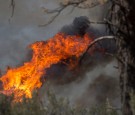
x=5 y=104
x=54 y=106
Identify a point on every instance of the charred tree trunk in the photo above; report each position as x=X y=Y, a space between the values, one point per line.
x=123 y=16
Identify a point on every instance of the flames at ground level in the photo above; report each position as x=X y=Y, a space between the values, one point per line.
x=23 y=80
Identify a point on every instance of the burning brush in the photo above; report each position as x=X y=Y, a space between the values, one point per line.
x=23 y=80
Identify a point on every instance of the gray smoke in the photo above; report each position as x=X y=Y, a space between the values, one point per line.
x=91 y=83
x=23 y=30
x=91 y=87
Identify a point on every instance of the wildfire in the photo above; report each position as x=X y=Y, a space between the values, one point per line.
x=23 y=80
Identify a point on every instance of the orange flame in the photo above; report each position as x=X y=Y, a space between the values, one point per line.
x=23 y=80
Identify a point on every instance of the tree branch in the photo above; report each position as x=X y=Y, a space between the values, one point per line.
x=13 y=7
x=63 y=7
x=94 y=42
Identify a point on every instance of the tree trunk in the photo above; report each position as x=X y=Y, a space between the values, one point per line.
x=124 y=16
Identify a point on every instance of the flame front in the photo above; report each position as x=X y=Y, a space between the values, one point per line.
x=23 y=80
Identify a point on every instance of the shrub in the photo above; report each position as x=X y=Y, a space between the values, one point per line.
x=55 y=106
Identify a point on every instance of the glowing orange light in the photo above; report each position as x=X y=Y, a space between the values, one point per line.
x=23 y=80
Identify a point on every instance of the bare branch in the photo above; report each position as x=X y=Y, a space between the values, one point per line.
x=13 y=7
x=64 y=6
x=115 y=56
x=94 y=42
x=107 y=22
x=58 y=11
x=98 y=22
x=89 y=6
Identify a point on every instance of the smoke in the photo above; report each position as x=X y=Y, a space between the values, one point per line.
x=93 y=81
x=79 y=84
x=78 y=27
x=22 y=29
x=92 y=86
x=103 y=87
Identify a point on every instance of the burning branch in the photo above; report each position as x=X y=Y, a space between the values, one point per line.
x=94 y=42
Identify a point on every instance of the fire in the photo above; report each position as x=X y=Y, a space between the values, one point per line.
x=23 y=80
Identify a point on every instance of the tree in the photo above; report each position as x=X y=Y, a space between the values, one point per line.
x=123 y=14
x=122 y=25
x=120 y=22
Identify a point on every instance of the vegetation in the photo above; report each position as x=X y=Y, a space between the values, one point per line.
x=121 y=24
x=54 y=106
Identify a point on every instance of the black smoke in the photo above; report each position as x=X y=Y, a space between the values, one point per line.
x=99 y=88
x=79 y=26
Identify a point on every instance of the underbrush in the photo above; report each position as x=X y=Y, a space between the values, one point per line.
x=54 y=106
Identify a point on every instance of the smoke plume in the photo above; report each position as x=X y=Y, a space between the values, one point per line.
x=93 y=81
x=80 y=84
